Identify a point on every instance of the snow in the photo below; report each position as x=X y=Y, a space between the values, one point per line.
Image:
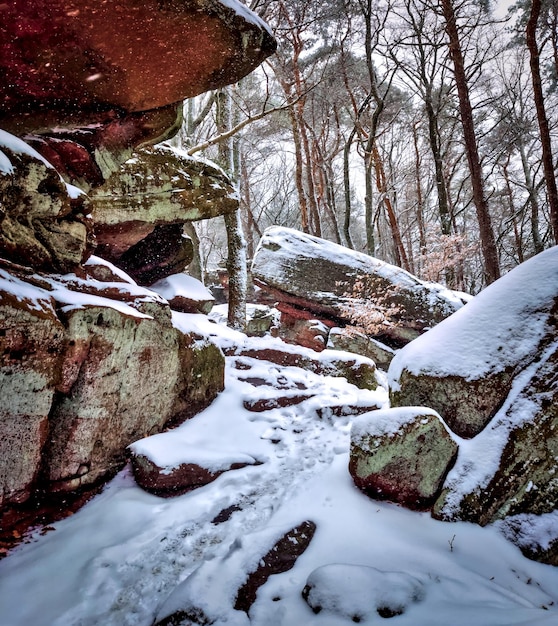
x=128 y=556
x=243 y=11
x=388 y=421
x=488 y=334
x=181 y=285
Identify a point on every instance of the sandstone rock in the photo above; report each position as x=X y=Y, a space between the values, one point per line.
x=298 y=327
x=260 y=320
x=105 y=408
x=74 y=351
x=184 y=294
x=464 y=368
x=157 y=186
x=42 y=220
x=31 y=343
x=401 y=455
x=351 y=340
x=105 y=58
x=323 y=278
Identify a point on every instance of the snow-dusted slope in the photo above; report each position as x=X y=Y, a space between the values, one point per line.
x=117 y=561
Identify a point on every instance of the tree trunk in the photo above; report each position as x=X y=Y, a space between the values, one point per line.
x=547 y=159
x=236 y=259
x=488 y=242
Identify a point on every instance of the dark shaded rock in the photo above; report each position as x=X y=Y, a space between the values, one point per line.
x=165 y=251
x=75 y=63
x=323 y=278
x=402 y=455
x=281 y=558
x=42 y=222
x=280 y=402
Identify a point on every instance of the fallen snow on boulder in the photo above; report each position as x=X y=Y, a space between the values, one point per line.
x=185 y=293
x=503 y=326
x=359 y=593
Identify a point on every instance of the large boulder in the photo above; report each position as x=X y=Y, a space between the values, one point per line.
x=42 y=220
x=402 y=455
x=348 y=287
x=88 y=368
x=157 y=186
x=81 y=62
x=466 y=366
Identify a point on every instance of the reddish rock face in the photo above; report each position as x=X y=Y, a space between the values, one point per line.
x=79 y=58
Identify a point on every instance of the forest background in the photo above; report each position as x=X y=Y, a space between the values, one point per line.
x=420 y=132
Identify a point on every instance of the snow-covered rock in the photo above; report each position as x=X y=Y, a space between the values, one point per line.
x=465 y=367
x=360 y=593
x=340 y=284
x=402 y=455
x=185 y=294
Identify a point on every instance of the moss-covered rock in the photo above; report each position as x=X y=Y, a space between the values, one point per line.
x=402 y=455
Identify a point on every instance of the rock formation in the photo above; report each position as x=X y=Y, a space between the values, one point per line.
x=490 y=372
x=335 y=284
x=90 y=361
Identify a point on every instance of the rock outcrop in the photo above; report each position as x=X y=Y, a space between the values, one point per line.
x=74 y=351
x=402 y=455
x=490 y=372
x=346 y=287
x=465 y=367
x=157 y=187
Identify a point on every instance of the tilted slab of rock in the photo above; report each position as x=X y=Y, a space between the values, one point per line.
x=402 y=455
x=74 y=62
x=99 y=365
x=158 y=185
x=464 y=368
x=323 y=277
x=42 y=220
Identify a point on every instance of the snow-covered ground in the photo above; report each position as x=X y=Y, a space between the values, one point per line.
x=117 y=561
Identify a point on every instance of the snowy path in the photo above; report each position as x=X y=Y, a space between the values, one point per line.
x=117 y=560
